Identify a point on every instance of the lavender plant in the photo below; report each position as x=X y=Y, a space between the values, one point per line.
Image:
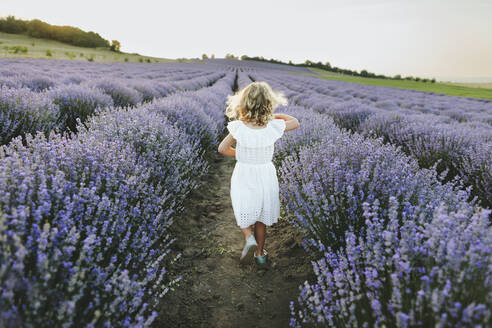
x=23 y=111
x=88 y=217
x=411 y=272
x=77 y=101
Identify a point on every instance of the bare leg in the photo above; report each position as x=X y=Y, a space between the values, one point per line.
x=260 y=231
x=246 y=232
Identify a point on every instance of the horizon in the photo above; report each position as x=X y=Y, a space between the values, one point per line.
x=427 y=39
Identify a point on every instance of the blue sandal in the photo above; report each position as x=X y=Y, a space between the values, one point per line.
x=250 y=243
x=260 y=259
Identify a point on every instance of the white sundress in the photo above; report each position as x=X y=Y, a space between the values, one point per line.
x=254 y=182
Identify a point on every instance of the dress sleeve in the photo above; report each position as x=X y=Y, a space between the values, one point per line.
x=233 y=128
x=278 y=126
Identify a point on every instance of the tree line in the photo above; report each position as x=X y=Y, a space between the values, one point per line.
x=326 y=66
x=66 y=34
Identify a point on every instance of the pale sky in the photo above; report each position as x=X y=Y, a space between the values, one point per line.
x=445 y=39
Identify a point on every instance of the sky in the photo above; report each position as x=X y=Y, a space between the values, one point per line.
x=450 y=40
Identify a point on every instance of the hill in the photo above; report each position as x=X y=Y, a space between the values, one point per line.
x=23 y=46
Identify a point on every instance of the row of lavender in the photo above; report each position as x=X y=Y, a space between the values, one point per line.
x=462 y=149
x=45 y=98
x=38 y=74
x=396 y=247
x=474 y=111
x=84 y=220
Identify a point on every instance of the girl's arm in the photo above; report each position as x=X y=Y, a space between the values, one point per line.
x=291 y=122
x=225 y=146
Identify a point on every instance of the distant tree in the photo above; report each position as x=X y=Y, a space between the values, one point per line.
x=417 y=78
x=425 y=80
x=327 y=64
x=308 y=62
x=433 y=80
x=397 y=77
x=115 y=46
x=243 y=57
x=204 y=56
x=290 y=62
x=364 y=73
x=39 y=29
x=12 y=25
x=229 y=56
x=212 y=56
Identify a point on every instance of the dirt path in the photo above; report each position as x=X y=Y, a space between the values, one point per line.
x=217 y=290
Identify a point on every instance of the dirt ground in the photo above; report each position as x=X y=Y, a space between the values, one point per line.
x=217 y=290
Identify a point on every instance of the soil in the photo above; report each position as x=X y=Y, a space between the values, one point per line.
x=218 y=290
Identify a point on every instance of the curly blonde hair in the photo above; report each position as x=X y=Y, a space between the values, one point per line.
x=254 y=103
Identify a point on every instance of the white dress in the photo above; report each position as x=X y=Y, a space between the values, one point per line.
x=254 y=182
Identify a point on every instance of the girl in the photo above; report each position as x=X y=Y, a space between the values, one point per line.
x=254 y=183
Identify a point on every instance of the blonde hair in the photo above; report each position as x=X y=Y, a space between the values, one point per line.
x=254 y=103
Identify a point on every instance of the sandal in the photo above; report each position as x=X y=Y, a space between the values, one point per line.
x=250 y=243
x=260 y=259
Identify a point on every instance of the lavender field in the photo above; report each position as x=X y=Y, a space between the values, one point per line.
x=390 y=188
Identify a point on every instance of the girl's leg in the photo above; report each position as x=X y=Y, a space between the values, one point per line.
x=246 y=232
x=260 y=231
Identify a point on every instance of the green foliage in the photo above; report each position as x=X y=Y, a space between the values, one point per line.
x=90 y=58
x=140 y=60
x=126 y=59
x=230 y=56
x=115 y=46
x=70 y=55
x=81 y=54
x=12 y=25
x=16 y=49
x=204 y=56
x=48 y=53
x=148 y=60
x=40 y=29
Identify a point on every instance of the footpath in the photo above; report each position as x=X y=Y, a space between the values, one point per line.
x=217 y=290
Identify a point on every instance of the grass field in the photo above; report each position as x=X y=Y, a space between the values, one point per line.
x=473 y=85
x=39 y=48
x=452 y=89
